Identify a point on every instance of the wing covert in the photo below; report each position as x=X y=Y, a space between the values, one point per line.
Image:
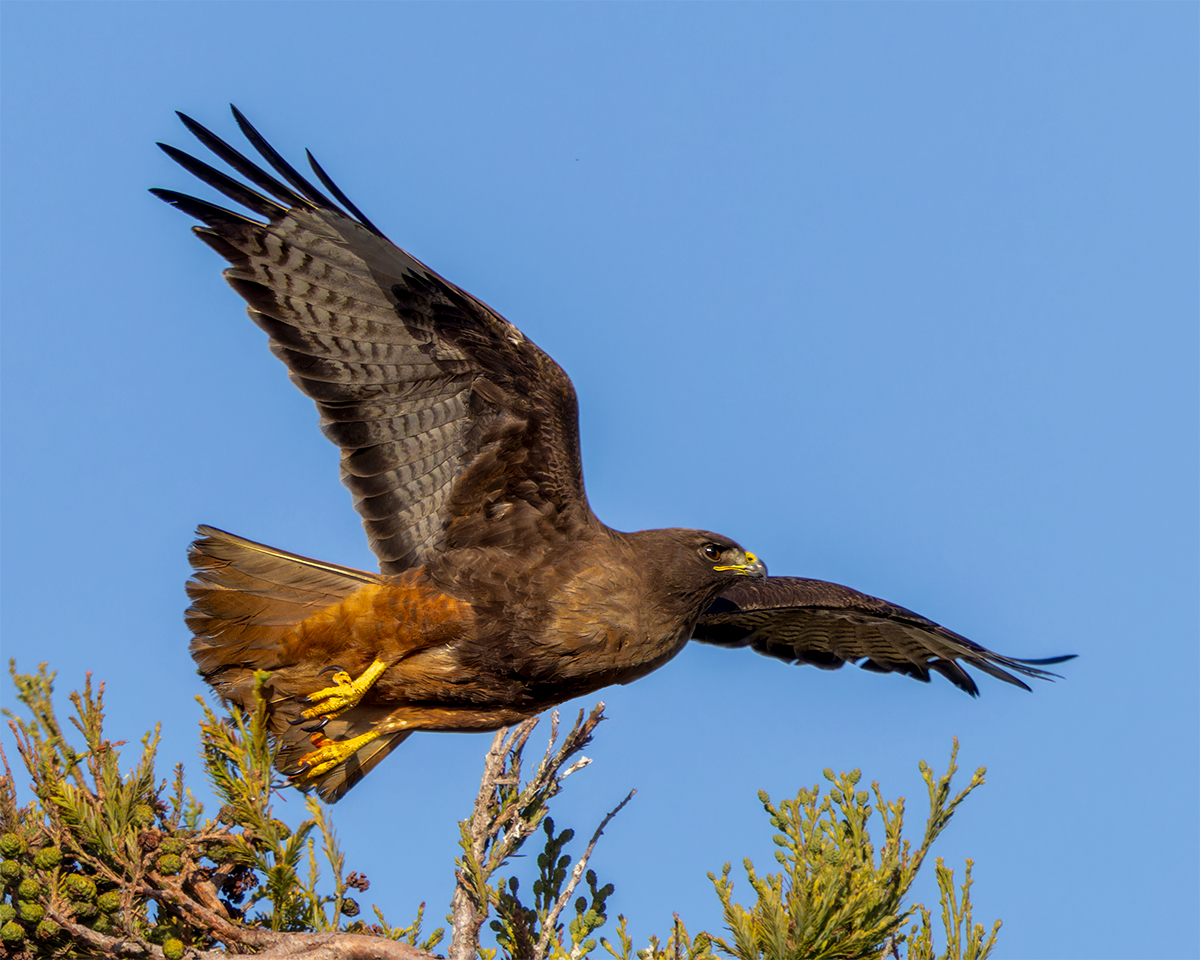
x=446 y=415
x=827 y=625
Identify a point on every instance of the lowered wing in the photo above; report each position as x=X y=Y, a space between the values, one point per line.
x=828 y=625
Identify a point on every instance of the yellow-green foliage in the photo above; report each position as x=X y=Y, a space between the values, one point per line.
x=836 y=896
x=101 y=860
x=107 y=864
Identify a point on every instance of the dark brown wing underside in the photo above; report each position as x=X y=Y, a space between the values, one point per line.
x=446 y=415
x=828 y=625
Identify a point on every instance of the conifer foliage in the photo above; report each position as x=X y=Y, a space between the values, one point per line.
x=112 y=864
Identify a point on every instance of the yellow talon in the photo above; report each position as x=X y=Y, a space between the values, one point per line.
x=344 y=694
x=329 y=754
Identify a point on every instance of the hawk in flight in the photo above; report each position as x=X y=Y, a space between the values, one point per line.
x=500 y=593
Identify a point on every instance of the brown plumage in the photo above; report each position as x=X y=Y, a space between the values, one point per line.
x=500 y=592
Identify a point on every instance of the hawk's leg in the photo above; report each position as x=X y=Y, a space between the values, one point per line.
x=329 y=753
x=344 y=694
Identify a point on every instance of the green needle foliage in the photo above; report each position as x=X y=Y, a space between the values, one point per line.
x=106 y=864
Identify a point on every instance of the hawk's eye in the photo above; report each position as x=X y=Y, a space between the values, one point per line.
x=712 y=551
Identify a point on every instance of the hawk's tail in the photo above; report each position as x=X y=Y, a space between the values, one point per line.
x=246 y=598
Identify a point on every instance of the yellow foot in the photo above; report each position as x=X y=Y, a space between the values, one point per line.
x=344 y=694
x=329 y=754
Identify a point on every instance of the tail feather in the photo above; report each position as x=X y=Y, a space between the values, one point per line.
x=333 y=785
x=246 y=596
x=217 y=549
x=295 y=742
x=221 y=573
x=227 y=603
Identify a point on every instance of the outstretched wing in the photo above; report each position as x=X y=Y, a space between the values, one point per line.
x=455 y=430
x=828 y=625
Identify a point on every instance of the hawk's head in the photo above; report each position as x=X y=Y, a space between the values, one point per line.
x=694 y=565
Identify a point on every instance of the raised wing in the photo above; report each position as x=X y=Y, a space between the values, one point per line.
x=455 y=430
x=828 y=625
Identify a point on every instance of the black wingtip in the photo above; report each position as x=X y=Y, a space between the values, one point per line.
x=202 y=210
x=233 y=189
x=953 y=672
x=337 y=192
x=1044 y=661
x=276 y=160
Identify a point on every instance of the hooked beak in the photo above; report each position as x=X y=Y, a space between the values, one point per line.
x=753 y=567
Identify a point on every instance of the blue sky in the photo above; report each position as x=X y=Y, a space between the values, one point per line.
x=900 y=296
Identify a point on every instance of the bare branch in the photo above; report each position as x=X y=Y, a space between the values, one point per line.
x=505 y=814
x=103 y=944
x=468 y=906
x=337 y=946
x=576 y=875
x=301 y=946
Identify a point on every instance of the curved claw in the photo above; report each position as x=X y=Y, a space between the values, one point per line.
x=312 y=727
x=345 y=693
x=329 y=753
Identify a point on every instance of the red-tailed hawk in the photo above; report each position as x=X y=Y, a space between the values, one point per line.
x=500 y=593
